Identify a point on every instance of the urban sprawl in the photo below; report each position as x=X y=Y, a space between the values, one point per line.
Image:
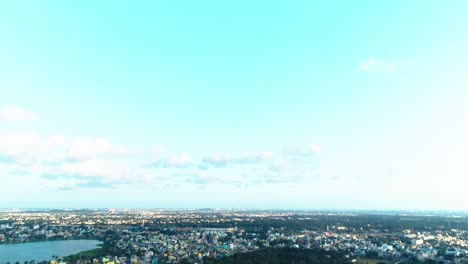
x=191 y=236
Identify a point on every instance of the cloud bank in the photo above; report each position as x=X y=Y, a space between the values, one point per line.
x=17 y=115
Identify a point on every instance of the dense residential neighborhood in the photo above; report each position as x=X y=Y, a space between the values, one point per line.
x=192 y=236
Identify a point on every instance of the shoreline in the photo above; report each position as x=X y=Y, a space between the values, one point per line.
x=98 y=247
x=48 y=240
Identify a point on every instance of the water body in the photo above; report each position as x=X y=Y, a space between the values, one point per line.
x=40 y=251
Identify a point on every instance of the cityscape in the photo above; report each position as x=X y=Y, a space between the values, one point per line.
x=199 y=236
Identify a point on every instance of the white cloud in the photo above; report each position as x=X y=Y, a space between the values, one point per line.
x=33 y=154
x=177 y=161
x=29 y=147
x=17 y=115
x=278 y=166
x=202 y=177
x=156 y=152
x=223 y=160
x=96 y=162
x=109 y=169
x=83 y=148
x=33 y=146
x=310 y=150
x=373 y=65
x=93 y=173
x=180 y=160
x=317 y=149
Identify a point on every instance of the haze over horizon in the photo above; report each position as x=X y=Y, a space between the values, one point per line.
x=242 y=104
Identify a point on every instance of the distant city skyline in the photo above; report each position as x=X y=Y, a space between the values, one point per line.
x=209 y=104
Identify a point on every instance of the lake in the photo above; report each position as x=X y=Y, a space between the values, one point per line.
x=40 y=251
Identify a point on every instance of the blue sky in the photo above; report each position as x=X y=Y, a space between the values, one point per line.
x=245 y=104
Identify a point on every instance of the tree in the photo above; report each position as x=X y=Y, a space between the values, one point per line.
x=372 y=255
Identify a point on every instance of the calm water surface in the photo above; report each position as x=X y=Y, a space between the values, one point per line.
x=40 y=251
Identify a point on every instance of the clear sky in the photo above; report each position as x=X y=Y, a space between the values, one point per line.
x=244 y=104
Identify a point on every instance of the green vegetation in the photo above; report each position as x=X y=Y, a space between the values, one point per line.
x=282 y=255
x=107 y=248
x=97 y=252
x=373 y=261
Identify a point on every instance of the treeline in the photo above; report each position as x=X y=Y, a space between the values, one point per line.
x=282 y=255
x=389 y=223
